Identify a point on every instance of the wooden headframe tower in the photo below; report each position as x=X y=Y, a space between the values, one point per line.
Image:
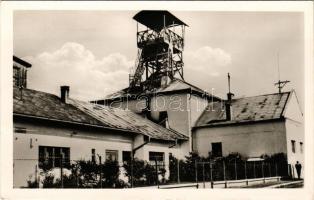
x=160 y=48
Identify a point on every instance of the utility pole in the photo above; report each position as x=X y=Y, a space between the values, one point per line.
x=280 y=84
x=228 y=82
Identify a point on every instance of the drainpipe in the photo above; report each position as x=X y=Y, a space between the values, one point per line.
x=190 y=122
x=140 y=146
x=132 y=159
x=175 y=144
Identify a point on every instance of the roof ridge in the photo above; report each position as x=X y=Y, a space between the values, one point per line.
x=190 y=84
x=288 y=92
x=33 y=90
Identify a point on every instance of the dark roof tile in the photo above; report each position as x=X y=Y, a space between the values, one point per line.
x=40 y=104
x=263 y=107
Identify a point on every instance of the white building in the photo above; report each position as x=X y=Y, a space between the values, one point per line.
x=46 y=126
x=176 y=106
x=265 y=124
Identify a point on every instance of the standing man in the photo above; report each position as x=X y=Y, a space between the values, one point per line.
x=298 y=167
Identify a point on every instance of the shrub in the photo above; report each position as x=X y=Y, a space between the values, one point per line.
x=83 y=174
x=110 y=174
x=144 y=174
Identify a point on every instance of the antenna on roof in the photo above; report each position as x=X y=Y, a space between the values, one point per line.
x=280 y=84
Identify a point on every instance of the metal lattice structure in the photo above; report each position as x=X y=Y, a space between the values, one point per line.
x=160 y=50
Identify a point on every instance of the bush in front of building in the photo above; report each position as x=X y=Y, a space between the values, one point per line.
x=230 y=167
x=81 y=174
x=144 y=174
x=279 y=162
x=110 y=175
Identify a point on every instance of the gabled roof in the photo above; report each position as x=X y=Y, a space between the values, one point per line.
x=174 y=87
x=126 y=119
x=40 y=104
x=247 y=109
x=36 y=104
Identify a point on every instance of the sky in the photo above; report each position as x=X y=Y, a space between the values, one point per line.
x=93 y=51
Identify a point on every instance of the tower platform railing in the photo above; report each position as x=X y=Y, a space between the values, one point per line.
x=148 y=37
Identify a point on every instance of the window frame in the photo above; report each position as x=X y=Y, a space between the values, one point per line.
x=16 y=76
x=163 y=118
x=49 y=158
x=301 y=147
x=108 y=151
x=216 y=154
x=123 y=156
x=160 y=163
x=293 y=147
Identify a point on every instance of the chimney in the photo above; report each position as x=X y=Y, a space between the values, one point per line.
x=229 y=102
x=65 y=90
x=229 y=107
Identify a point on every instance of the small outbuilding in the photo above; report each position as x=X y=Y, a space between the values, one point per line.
x=252 y=126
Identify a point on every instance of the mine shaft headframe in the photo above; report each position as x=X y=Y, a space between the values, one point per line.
x=157 y=19
x=160 y=48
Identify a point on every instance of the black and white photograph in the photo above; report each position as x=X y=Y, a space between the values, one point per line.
x=158 y=98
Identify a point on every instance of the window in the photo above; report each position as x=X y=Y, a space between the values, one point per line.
x=163 y=119
x=93 y=156
x=301 y=147
x=50 y=157
x=16 y=76
x=293 y=146
x=157 y=156
x=126 y=156
x=111 y=155
x=217 y=149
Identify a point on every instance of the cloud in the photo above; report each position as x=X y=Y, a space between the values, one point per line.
x=74 y=65
x=207 y=59
x=207 y=68
x=93 y=78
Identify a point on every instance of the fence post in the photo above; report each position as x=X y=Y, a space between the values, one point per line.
x=178 y=170
x=276 y=169
x=245 y=175
x=196 y=179
x=263 y=171
x=254 y=169
x=157 y=181
x=224 y=167
x=132 y=159
x=77 y=178
x=36 y=177
x=211 y=175
x=235 y=169
x=269 y=168
x=100 y=171
x=61 y=170
x=247 y=182
x=203 y=174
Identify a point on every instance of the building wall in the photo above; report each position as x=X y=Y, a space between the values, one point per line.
x=295 y=131
x=197 y=107
x=26 y=145
x=183 y=111
x=154 y=147
x=250 y=140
